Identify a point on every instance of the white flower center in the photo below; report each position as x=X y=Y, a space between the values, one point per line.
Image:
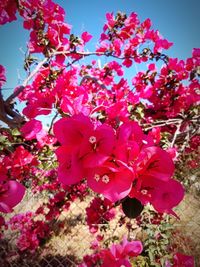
x=144 y=142
x=97 y=177
x=105 y=179
x=92 y=139
x=144 y=191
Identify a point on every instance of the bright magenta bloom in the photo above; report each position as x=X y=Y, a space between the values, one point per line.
x=22 y=157
x=130 y=141
x=154 y=169
x=164 y=195
x=97 y=146
x=70 y=170
x=113 y=180
x=118 y=255
x=31 y=129
x=116 y=164
x=82 y=145
x=11 y=193
x=71 y=131
x=155 y=162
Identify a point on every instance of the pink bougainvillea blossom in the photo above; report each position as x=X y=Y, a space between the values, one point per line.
x=98 y=146
x=22 y=157
x=2 y=76
x=8 y=9
x=71 y=131
x=100 y=211
x=113 y=180
x=165 y=195
x=70 y=170
x=31 y=128
x=11 y=193
x=86 y=37
x=155 y=162
x=118 y=255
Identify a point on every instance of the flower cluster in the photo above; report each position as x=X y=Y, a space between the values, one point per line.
x=122 y=30
x=32 y=232
x=116 y=163
x=99 y=212
x=11 y=191
x=8 y=9
x=33 y=130
x=118 y=255
x=19 y=165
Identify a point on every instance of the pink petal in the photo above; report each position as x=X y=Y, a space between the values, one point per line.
x=70 y=170
x=12 y=196
x=166 y=195
x=118 y=186
x=70 y=131
x=155 y=162
x=31 y=128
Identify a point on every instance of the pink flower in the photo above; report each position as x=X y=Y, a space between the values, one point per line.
x=70 y=170
x=11 y=193
x=8 y=10
x=154 y=169
x=155 y=134
x=75 y=106
x=93 y=145
x=131 y=131
x=71 y=131
x=155 y=162
x=118 y=255
x=165 y=195
x=100 y=211
x=113 y=180
x=111 y=20
x=21 y=157
x=86 y=37
x=40 y=106
x=127 y=62
x=196 y=52
x=97 y=146
x=196 y=56
x=31 y=129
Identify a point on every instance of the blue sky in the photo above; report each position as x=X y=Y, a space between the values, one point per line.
x=177 y=20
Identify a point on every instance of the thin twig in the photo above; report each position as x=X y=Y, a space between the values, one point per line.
x=162 y=123
x=51 y=125
x=177 y=132
x=87 y=77
x=26 y=81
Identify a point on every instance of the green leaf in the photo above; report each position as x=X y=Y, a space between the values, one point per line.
x=15 y=132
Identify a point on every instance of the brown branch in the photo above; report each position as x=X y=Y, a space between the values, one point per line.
x=162 y=123
x=9 y=116
x=51 y=125
x=87 y=77
x=177 y=132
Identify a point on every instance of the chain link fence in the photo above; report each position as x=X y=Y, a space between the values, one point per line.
x=68 y=244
